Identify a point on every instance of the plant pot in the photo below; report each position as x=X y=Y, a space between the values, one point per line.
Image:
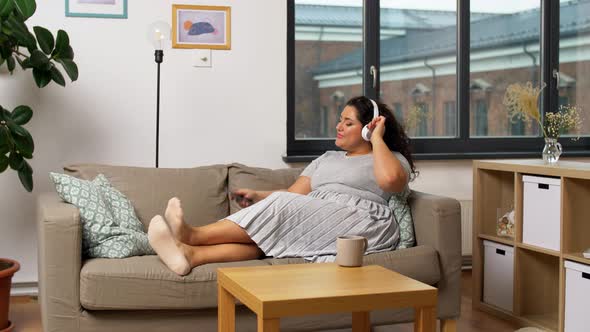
x=7 y=269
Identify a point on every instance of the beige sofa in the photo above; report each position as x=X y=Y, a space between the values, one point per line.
x=141 y=294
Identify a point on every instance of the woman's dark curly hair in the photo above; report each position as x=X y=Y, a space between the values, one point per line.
x=395 y=137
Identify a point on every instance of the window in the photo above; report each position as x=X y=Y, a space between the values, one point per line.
x=481 y=117
x=496 y=63
x=456 y=78
x=320 y=39
x=422 y=125
x=574 y=82
x=563 y=100
x=517 y=128
x=398 y=113
x=415 y=55
x=450 y=118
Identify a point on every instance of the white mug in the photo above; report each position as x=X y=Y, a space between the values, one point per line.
x=350 y=250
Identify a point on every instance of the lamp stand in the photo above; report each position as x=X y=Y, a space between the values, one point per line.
x=159 y=57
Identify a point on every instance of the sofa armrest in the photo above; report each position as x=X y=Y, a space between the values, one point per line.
x=437 y=223
x=60 y=259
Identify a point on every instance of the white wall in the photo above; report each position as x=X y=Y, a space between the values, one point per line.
x=234 y=111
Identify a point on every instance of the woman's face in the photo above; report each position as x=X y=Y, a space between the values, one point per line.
x=348 y=130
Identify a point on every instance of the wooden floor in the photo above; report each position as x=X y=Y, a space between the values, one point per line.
x=25 y=313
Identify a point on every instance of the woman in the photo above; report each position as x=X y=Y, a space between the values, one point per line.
x=339 y=193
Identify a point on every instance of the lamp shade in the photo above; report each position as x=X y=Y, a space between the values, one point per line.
x=157 y=33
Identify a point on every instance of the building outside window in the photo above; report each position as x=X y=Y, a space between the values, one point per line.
x=450 y=118
x=481 y=117
x=398 y=113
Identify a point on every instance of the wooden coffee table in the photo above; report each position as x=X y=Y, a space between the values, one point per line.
x=279 y=291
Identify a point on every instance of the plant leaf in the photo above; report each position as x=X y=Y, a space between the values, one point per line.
x=10 y=63
x=45 y=39
x=70 y=67
x=40 y=60
x=25 y=174
x=22 y=114
x=25 y=145
x=20 y=31
x=16 y=129
x=3 y=162
x=62 y=40
x=4 y=139
x=67 y=53
x=26 y=7
x=15 y=160
x=5 y=114
x=24 y=64
x=42 y=77
x=5 y=49
x=6 y=7
x=57 y=77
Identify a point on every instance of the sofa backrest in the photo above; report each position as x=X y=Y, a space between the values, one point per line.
x=202 y=190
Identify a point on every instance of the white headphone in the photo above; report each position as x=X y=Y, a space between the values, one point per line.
x=366 y=132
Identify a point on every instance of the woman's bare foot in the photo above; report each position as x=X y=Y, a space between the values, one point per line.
x=164 y=244
x=175 y=219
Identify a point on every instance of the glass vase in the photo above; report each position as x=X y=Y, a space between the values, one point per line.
x=551 y=151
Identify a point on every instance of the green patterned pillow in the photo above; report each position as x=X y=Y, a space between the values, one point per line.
x=110 y=228
x=401 y=211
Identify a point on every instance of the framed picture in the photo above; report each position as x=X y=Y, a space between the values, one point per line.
x=97 y=8
x=195 y=26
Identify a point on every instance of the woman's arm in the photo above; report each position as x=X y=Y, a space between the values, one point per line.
x=301 y=186
x=389 y=172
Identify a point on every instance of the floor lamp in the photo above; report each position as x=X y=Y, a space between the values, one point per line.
x=158 y=34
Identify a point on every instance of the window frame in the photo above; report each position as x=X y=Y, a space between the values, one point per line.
x=463 y=146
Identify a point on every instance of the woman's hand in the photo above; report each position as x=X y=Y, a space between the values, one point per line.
x=245 y=197
x=377 y=127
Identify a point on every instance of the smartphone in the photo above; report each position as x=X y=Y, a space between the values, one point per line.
x=241 y=198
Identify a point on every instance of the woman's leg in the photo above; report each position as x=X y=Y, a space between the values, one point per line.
x=220 y=232
x=229 y=252
x=181 y=258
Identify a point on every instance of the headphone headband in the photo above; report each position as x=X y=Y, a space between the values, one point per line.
x=375 y=108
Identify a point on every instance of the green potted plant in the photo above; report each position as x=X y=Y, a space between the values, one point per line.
x=40 y=52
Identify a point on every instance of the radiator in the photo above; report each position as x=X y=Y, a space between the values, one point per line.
x=466 y=227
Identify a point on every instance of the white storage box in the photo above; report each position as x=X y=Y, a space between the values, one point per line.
x=541 y=212
x=577 y=297
x=498 y=274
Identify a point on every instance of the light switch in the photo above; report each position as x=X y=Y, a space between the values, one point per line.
x=202 y=58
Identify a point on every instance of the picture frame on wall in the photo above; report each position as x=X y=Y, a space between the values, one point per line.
x=197 y=26
x=96 y=8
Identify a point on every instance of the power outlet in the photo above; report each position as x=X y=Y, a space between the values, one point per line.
x=202 y=58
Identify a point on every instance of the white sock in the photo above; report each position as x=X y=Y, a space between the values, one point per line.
x=174 y=217
x=162 y=240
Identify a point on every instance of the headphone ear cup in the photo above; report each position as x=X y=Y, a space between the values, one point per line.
x=366 y=133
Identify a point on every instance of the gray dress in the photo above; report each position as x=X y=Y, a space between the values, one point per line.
x=345 y=200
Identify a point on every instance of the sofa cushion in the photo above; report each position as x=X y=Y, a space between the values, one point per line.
x=110 y=228
x=402 y=212
x=202 y=190
x=242 y=176
x=146 y=283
